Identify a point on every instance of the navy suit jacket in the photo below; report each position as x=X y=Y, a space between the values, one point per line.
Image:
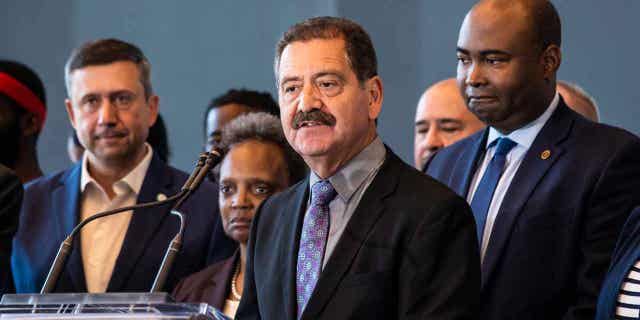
x=557 y=226
x=10 y=200
x=50 y=210
x=624 y=257
x=408 y=252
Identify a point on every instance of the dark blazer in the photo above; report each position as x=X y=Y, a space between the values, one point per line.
x=626 y=254
x=10 y=200
x=51 y=209
x=552 y=241
x=408 y=252
x=210 y=285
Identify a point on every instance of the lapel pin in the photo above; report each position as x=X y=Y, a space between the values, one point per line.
x=161 y=197
x=545 y=154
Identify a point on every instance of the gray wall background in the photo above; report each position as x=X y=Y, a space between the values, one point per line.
x=199 y=49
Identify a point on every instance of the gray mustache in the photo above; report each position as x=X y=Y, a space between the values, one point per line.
x=313 y=115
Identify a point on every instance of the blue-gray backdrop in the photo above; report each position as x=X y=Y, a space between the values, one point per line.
x=199 y=49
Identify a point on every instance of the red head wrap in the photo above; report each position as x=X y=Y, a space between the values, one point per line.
x=17 y=91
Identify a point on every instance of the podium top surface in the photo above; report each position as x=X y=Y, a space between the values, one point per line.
x=86 y=298
x=103 y=306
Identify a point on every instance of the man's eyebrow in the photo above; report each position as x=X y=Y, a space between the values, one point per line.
x=290 y=78
x=421 y=122
x=334 y=73
x=449 y=121
x=483 y=52
x=461 y=50
x=120 y=92
x=89 y=95
x=493 y=51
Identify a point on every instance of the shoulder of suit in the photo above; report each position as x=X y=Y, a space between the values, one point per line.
x=455 y=148
x=49 y=181
x=414 y=182
x=444 y=158
x=602 y=133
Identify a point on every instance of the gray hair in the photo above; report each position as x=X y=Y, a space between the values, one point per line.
x=262 y=127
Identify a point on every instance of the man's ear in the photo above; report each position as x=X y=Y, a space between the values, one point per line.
x=375 y=92
x=551 y=59
x=29 y=124
x=154 y=102
x=70 y=114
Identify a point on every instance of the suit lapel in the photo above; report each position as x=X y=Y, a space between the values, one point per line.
x=464 y=171
x=364 y=218
x=143 y=226
x=296 y=208
x=66 y=198
x=532 y=169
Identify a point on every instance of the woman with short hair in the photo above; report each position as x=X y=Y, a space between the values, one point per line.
x=258 y=162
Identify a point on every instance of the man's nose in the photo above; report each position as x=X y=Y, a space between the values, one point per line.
x=108 y=113
x=434 y=140
x=309 y=99
x=475 y=76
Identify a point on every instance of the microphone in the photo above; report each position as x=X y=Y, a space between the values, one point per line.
x=213 y=158
x=201 y=160
x=65 y=247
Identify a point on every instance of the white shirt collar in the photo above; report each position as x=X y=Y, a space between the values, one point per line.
x=524 y=136
x=132 y=180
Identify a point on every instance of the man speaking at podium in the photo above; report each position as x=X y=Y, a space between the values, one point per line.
x=365 y=236
x=111 y=106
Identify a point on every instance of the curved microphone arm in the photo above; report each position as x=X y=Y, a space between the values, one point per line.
x=65 y=247
x=213 y=158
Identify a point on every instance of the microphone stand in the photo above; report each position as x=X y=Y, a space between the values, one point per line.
x=175 y=246
x=65 y=247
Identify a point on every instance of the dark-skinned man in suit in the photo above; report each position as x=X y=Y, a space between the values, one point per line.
x=549 y=189
x=365 y=236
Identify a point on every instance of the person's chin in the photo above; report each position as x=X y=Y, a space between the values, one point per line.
x=240 y=235
x=486 y=114
x=111 y=153
x=313 y=149
x=313 y=146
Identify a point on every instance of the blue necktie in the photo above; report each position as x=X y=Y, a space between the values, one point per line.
x=313 y=239
x=487 y=186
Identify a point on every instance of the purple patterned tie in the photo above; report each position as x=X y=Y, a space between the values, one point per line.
x=312 y=241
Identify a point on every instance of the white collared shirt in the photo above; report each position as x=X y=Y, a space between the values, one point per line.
x=101 y=239
x=524 y=138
